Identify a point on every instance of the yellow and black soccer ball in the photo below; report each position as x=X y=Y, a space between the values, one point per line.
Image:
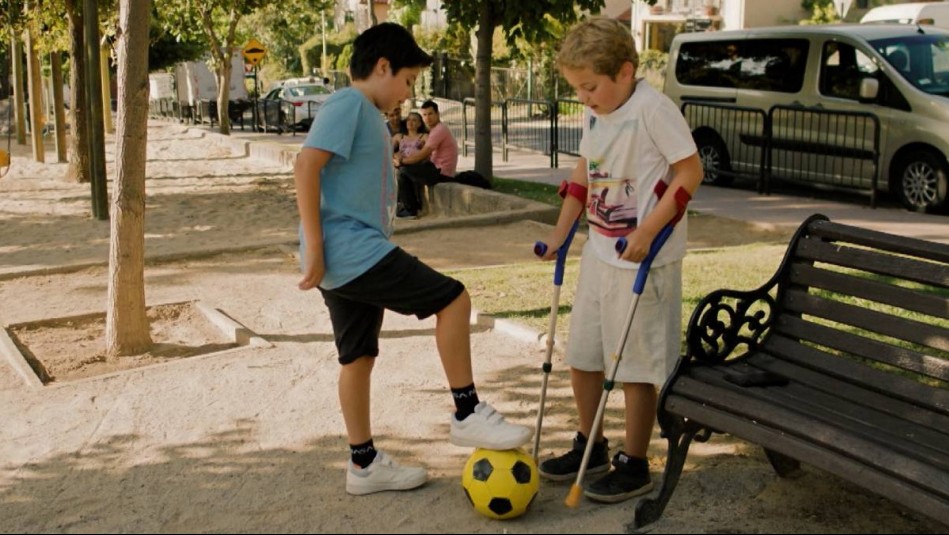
x=500 y=484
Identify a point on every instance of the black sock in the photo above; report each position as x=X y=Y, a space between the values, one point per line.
x=466 y=399
x=363 y=454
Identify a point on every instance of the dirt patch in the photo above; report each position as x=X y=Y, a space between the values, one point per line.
x=67 y=349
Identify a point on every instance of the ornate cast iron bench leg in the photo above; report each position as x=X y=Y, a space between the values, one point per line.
x=679 y=437
x=785 y=466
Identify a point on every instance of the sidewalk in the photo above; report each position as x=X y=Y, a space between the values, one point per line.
x=775 y=210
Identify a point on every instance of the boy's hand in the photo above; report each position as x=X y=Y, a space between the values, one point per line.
x=313 y=269
x=637 y=246
x=553 y=243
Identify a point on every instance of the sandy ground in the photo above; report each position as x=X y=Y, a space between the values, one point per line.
x=250 y=439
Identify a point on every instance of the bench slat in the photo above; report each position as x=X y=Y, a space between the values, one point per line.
x=880 y=292
x=924 y=334
x=877 y=262
x=869 y=421
x=907 y=359
x=867 y=382
x=831 y=438
x=938 y=252
x=897 y=489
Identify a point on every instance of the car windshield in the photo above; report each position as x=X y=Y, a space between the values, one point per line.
x=923 y=60
x=307 y=90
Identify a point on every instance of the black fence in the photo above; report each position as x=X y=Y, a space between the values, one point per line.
x=809 y=145
x=730 y=139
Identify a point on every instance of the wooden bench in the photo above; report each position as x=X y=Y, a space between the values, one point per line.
x=852 y=333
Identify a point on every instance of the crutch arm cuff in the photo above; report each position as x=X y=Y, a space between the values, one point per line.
x=682 y=198
x=572 y=189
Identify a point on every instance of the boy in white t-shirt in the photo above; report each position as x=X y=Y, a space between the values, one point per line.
x=636 y=146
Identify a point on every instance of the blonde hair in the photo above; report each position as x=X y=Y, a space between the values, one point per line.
x=600 y=43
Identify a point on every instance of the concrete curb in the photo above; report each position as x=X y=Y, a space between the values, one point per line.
x=241 y=335
x=514 y=330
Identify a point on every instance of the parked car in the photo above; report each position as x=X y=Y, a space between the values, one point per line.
x=304 y=99
x=935 y=13
x=897 y=72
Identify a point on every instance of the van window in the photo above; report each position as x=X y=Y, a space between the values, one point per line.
x=922 y=59
x=759 y=64
x=842 y=67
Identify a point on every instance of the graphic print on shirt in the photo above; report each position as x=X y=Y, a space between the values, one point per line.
x=611 y=208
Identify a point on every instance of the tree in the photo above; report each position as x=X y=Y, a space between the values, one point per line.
x=165 y=50
x=518 y=20
x=127 y=330
x=283 y=34
x=218 y=20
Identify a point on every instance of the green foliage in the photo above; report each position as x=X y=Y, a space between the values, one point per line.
x=165 y=50
x=525 y=20
x=342 y=61
x=311 y=52
x=822 y=12
x=282 y=34
x=408 y=13
x=652 y=67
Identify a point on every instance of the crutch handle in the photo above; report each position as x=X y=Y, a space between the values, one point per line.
x=644 y=266
x=540 y=249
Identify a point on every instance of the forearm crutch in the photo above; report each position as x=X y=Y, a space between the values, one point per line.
x=540 y=249
x=573 y=498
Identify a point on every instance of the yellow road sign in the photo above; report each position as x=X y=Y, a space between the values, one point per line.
x=254 y=51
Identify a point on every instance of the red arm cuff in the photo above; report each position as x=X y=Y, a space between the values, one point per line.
x=574 y=190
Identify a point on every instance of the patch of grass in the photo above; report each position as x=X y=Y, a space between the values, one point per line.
x=522 y=292
x=535 y=191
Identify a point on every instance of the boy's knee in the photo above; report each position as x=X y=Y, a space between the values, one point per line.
x=462 y=303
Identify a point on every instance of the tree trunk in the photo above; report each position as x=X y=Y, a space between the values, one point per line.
x=37 y=115
x=79 y=166
x=59 y=116
x=224 y=93
x=19 y=90
x=127 y=329
x=483 y=147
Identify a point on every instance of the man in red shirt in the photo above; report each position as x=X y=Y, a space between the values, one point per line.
x=435 y=162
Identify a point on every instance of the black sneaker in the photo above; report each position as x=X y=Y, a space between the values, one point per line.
x=629 y=478
x=567 y=465
x=405 y=214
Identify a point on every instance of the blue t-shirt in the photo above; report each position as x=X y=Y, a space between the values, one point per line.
x=357 y=186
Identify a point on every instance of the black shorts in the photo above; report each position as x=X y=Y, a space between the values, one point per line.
x=399 y=282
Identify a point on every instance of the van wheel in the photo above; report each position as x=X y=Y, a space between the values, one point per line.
x=922 y=181
x=715 y=159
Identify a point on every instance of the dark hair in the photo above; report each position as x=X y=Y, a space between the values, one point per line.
x=430 y=104
x=422 y=129
x=387 y=40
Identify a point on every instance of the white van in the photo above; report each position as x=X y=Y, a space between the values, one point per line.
x=933 y=13
x=898 y=73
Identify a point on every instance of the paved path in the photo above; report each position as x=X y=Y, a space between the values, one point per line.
x=778 y=209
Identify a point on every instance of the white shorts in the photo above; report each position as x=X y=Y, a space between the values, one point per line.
x=600 y=308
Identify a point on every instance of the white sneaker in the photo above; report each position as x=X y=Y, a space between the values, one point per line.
x=486 y=428
x=383 y=474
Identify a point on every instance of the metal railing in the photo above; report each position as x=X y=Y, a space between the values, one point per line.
x=808 y=145
x=741 y=130
x=818 y=146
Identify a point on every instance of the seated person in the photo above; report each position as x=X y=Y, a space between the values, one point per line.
x=435 y=162
x=411 y=141
x=394 y=121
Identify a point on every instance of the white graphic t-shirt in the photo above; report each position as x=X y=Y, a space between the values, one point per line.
x=629 y=151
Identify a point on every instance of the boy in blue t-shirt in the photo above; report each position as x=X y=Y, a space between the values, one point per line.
x=346 y=196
